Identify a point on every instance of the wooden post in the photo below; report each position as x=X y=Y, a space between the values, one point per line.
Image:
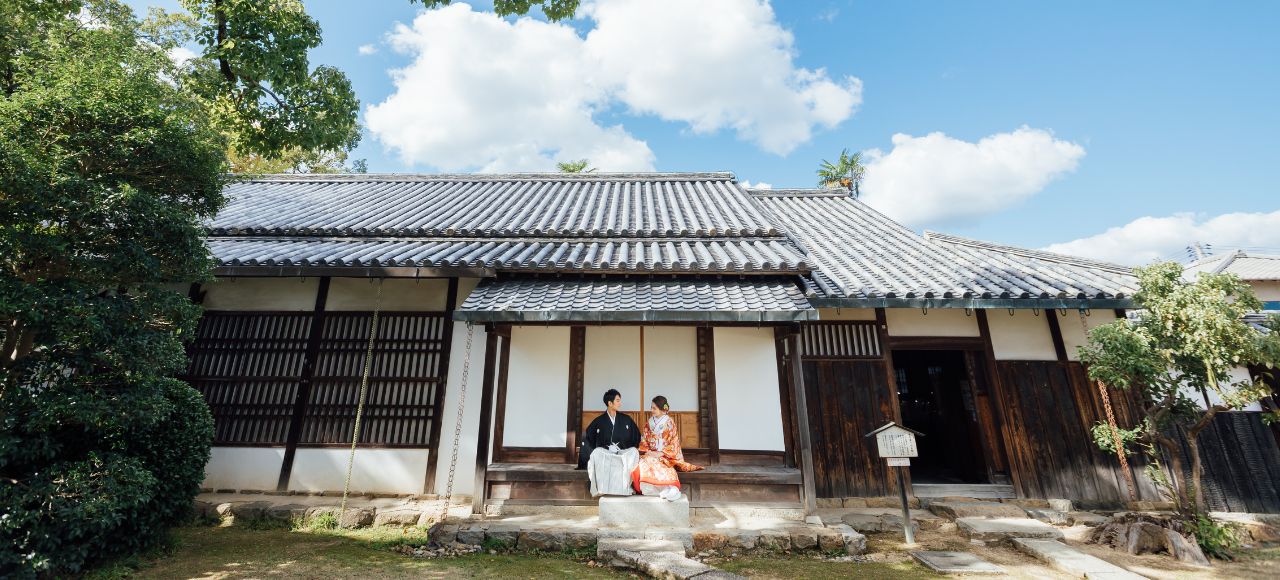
x=577 y=383
x=1055 y=330
x=882 y=334
x=785 y=395
x=442 y=371
x=486 y=417
x=997 y=390
x=802 y=424
x=707 y=362
x=500 y=406
x=303 y=396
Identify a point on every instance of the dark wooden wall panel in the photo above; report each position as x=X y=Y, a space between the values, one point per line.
x=1241 y=464
x=1049 y=411
x=249 y=365
x=847 y=400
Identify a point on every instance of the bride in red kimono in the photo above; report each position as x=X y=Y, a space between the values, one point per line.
x=661 y=455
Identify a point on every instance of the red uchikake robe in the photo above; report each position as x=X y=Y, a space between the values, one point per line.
x=660 y=471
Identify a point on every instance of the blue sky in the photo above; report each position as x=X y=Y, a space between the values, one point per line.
x=1157 y=119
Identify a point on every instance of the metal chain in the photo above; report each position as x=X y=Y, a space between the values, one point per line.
x=457 y=424
x=1111 y=421
x=364 y=392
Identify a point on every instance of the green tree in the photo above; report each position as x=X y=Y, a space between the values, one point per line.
x=106 y=169
x=846 y=172
x=576 y=166
x=554 y=9
x=1178 y=353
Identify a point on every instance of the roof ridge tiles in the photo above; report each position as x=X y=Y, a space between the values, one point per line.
x=530 y=176
x=1028 y=252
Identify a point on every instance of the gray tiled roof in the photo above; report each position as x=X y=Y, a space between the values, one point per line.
x=864 y=258
x=600 y=255
x=684 y=299
x=651 y=222
x=520 y=205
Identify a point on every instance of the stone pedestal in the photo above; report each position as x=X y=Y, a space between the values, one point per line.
x=639 y=511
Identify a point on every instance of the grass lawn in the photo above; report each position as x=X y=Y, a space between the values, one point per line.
x=215 y=552
x=233 y=552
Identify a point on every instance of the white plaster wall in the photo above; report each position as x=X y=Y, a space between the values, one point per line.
x=613 y=362
x=1266 y=290
x=537 y=387
x=934 y=322
x=1020 y=336
x=847 y=314
x=464 y=478
x=1073 y=335
x=1237 y=374
x=427 y=294
x=373 y=470
x=671 y=366
x=243 y=468
x=261 y=294
x=465 y=287
x=747 y=404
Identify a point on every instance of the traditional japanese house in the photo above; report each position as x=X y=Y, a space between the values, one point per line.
x=782 y=326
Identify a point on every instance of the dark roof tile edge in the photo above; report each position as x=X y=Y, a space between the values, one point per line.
x=548 y=176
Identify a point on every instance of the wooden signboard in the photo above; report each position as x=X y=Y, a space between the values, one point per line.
x=893 y=440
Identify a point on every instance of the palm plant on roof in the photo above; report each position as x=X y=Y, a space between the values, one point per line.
x=846 y=172
x=575 y=166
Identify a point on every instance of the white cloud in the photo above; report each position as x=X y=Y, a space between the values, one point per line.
x=181 y=54
x=1150 y=238
x=937 y=179
x=715 y=64
x=498 y=95
x=367 y=49
x=746 y=183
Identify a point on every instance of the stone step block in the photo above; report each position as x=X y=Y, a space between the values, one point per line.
x=954 y=510
x=1072 y=561
x=609 y=547
x=663 y=565
x=1003 y=529
x=640 y=511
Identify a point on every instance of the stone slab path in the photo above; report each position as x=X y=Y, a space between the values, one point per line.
x=954 y=510
x=1002 y=529
x=1072 y=561
x=956 y=563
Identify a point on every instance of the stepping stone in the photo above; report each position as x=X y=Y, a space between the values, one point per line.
x=663 y=564
x=1051 y=517
x=956 y=563
x=1006 y=528
x=609 y=547
x=640 y=511
x=954 y=510
x=1072 y=561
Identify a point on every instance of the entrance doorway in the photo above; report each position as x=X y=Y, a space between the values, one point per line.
x=938 y=397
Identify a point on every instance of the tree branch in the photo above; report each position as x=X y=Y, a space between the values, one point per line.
x=220 y=16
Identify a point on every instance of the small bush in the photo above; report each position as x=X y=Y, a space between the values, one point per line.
x=324 y=521
x=1217 y=539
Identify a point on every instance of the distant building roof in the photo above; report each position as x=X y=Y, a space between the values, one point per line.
x=1241 y=263
x=864 y=258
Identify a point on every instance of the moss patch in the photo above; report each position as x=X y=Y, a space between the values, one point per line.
x=792 y=567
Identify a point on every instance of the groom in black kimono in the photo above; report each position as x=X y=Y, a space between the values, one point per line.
x=613 y=430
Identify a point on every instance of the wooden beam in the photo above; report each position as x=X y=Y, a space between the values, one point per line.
x=707 y=370
x=500 y=412
x=998 y=395
x=303 y=396
x=886 y=350
x=577 y=384
x=437 y=405
x=785 y=396
x=486 y=418
x=809 y=491
x=1055 y=330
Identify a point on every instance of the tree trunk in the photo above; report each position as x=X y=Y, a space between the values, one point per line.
x=1193 y=445
x=1175 y=478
